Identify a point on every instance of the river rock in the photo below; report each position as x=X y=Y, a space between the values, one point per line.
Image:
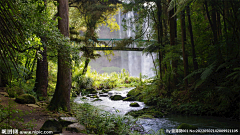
x=116 y=97
x=129 y=99
x=65 y=121
x=95 y=96
x=91 y=91
x=134 y=104
x=76 y=127
x=103 y=95
x=26 y=99
x=4 y=94
x=32 y=105
x=97 y=100
x=52 y=125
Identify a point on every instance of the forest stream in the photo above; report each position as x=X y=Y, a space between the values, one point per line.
x=168 y=122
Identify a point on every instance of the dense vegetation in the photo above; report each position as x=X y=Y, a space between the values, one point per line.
x=196 y=43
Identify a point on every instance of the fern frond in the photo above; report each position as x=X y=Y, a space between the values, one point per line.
x=181 y=4
x=194 y=73
x=209 y=70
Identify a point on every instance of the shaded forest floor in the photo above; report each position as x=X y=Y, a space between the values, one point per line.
x=32 y=116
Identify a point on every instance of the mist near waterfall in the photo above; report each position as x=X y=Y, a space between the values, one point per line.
x=135 y=62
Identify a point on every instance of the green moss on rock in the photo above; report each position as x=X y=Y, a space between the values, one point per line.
x=145 y=111
x=97 y=100
x=26 y=99
x=134 y=104
x=186 y=126
x=116 y=97
x=95 y=96
x=91 y=91
x=129 y=99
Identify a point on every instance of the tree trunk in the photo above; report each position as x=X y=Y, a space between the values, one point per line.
x=160 y=34
x=185 y=59
x=85 y=66
x=172 y=24
x=195 y=64
x=61 y=97
x=41 y=82
x=213 y=23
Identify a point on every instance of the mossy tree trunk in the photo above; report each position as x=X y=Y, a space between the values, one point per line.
x=61 y=97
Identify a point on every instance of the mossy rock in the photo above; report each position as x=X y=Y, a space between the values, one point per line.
x=52 y=125
x=129 y=99
x=26 y=99
x=83 y=98
x=105 y=91
x=186 y=126
x=95 y=96
x=91 y=91
x=76 y=127
x=145 y=116
x=145 y=111
x=97 y=100
x=134 y=104
x=116 y=97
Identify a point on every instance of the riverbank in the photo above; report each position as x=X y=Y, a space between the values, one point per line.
x=181 y=104
x=26 y=117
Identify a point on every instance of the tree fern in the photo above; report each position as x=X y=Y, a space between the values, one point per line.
x=181 y=4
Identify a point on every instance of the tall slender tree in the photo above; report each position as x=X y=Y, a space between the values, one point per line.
x=61 y=97
x=185 y=59
x=41 y=82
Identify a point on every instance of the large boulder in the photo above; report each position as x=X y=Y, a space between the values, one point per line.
x=26 y=99
x=52 y=125
x=91 y=91
x=76 y=127
x=116 y=97
x=134 y=104
x=65 y=121
x=129 y=99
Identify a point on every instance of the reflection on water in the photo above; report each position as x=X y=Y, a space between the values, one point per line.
x=170 y=122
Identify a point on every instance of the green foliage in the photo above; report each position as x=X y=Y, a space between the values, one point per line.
x=11 y=118
x=146 y=111
x=25 y=99
x=14 y=91
x=102 y=122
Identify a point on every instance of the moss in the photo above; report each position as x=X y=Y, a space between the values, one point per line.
x=97 y=100
x=116 y=97
x=145 y=111
x=186 y=126
x=145 y=116
x=134 y=104
x=91 y=91
x=84 y=98
x=105 y=91
x=26 y=99
x=95 y=96
x=129 y=99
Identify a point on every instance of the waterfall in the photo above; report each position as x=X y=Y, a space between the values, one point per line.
x=134 y=61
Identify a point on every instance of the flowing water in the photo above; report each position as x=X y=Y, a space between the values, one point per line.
x=169 y=122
